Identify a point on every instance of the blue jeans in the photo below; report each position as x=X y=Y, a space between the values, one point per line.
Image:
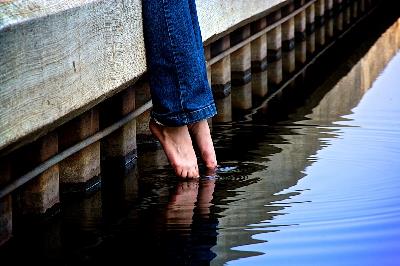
x=177 y=73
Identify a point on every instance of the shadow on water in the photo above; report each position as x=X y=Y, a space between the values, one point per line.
x=145 y=216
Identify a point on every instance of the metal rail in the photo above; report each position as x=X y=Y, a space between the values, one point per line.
x=68 y=152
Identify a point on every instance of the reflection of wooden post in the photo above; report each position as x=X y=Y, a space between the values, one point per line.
x=310 y=28
x=119 y=187
x=221 y=81
x=80 y=171
x=5 y=203
x=259 y=73
x=301 y=37
x=87 y=213
x=241 y=70
x=274 y=54
x=42 y=193
x=288 y=42
x=120 y=146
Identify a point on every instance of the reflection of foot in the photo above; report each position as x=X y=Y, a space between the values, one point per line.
x=185 y=194
x=200 y=132
x=205 y=197
x=183 y=201
x=178 y=147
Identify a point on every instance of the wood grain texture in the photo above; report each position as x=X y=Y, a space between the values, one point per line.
x=56 y=66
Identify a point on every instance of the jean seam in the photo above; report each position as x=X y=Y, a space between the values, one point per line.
x=167 y=18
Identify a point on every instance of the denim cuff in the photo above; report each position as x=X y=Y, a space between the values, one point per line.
x=185 y=118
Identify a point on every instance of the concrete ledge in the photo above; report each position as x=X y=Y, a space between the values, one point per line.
x=60 y=58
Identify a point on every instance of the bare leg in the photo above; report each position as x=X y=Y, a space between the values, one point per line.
x=201 y=135
x=178 y=147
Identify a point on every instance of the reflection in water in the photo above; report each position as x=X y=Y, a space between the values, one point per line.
x=313 y=182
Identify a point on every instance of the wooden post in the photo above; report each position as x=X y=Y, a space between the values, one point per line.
x=120 y=146
x=274 y=54
x=347 y=14
x=80 y=172
x=362 y=6
x=329 y=17
x=207 y=56
x=288 y=42
x=259 y=73
x=354 y=9
x=301 y=36
x=221 y=81
x=339 y=16
x=310 y=29
x=144 y=137
x=320 y=20
x=43 y=192
x=241 y=70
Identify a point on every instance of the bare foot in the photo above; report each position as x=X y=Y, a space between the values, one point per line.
x=201 y=135
x=178 y=147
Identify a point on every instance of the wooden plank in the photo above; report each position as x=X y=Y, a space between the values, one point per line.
x=56 y=67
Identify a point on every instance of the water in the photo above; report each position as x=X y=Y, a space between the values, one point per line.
x=308 y=180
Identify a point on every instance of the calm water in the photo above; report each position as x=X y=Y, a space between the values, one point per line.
x=317 y=185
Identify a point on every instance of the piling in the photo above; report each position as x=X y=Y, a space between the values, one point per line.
x=319 y=21
x=339 y=16
x=80 y=172
x=329 y=26
x=347 y=14
x=288 y=41
x=144 y=137
x=259 y=73
x=354 y=10
x=362 y=6
x=310 y=29
x=119 y=148
x=300 y=36
x=42 y=194
x=221 y=80
x=241 y=70
x=274 y=51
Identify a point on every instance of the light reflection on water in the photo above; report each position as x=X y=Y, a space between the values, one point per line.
x=320 y=187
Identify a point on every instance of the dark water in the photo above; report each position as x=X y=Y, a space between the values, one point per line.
x=313 y=180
